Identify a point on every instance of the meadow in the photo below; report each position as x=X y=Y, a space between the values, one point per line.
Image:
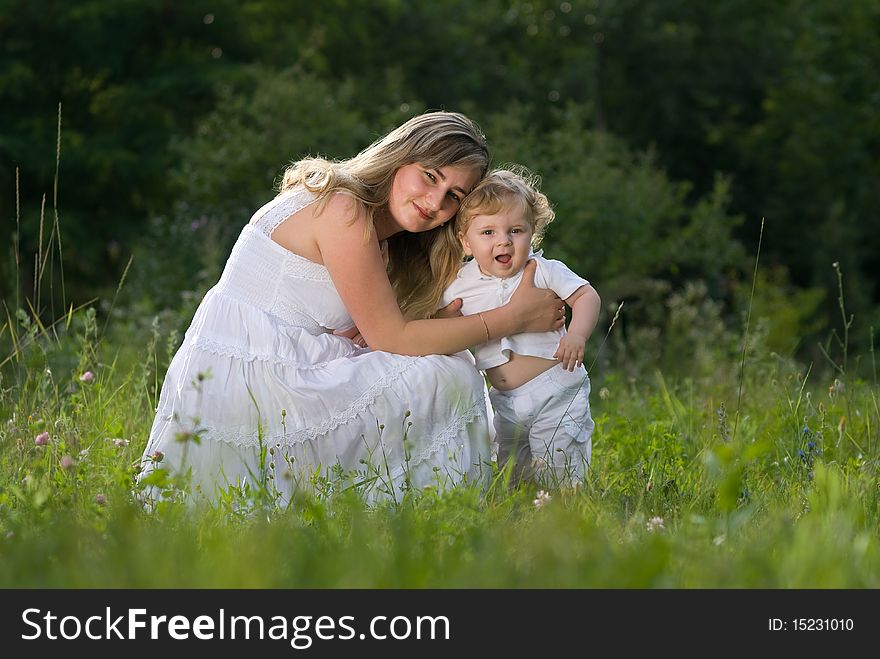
x=753 y=471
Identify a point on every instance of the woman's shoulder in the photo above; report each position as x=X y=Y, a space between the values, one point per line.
x=286 y=203
x=342 y=203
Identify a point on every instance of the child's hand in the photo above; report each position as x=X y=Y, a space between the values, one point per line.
x=571 y=350
x=354 y=334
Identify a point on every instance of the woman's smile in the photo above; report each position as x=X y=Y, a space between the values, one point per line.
x=425 y=215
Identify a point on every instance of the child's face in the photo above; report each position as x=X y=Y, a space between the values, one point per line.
x=499 y=243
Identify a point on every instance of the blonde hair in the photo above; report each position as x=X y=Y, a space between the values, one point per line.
x=419 y=264
x=500 y=189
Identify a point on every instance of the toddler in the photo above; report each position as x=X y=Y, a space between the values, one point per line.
x=540 y=388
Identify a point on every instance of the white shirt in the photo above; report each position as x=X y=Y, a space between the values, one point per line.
x=481 y=292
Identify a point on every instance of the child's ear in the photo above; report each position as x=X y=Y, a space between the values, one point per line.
x=465 y=244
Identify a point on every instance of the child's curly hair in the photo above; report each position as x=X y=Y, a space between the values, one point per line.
x=500 y=188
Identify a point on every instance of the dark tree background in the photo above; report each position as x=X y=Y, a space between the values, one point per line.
x=664 y=132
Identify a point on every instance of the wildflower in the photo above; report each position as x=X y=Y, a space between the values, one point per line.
x=87 y=377
x=157 y=456
x=655 y=524
x=67 y=462
x=837 y=387
x=539 y=464
x=42 y=439
x=121 y=443
x=541 y=499
x=604 y=394
x=100 y=499
x=718 y=540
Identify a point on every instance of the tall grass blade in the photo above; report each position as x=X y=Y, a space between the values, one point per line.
x=742 y=361
x=56 y=230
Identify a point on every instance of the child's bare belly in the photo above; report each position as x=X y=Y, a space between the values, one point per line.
x=519 y=370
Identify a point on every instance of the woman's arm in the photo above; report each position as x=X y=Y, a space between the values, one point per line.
x=358 y=272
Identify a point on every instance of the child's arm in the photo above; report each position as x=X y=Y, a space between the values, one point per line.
x=585 y=304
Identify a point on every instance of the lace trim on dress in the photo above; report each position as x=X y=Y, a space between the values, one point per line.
x=289 y=313
x=288 y=204
x=443 y=439
x=236 y=352
x=250 y=437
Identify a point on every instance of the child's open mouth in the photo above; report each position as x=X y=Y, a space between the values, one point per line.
x=503 y=258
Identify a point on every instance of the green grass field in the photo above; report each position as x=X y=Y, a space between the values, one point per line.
x=695 y=484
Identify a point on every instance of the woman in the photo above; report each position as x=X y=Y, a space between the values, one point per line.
x=268 y=390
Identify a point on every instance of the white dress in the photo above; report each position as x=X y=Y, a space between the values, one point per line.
x=260 y=372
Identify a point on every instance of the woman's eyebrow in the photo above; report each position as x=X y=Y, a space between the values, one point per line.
x=457 y=187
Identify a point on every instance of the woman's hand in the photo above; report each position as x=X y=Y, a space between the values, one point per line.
x=535 y=309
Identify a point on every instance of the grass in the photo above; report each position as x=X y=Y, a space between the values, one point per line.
x=674 y=499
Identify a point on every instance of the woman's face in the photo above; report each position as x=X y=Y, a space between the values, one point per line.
x=423 y=198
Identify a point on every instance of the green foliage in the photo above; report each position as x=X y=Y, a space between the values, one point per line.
x=128 y=75
x=620 y=220
x=707 y=117
x=787 y=313
x=817 y=135
x=230 y=166
x=687 y=490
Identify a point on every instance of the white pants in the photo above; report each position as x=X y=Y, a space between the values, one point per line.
x=545 y=426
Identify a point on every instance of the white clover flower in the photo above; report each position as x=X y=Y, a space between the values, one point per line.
x=655 y=524
x=542 y=498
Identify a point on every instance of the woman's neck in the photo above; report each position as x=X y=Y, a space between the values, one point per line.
x=384 y=224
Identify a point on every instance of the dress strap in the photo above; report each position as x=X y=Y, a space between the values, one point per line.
x=272 y=214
